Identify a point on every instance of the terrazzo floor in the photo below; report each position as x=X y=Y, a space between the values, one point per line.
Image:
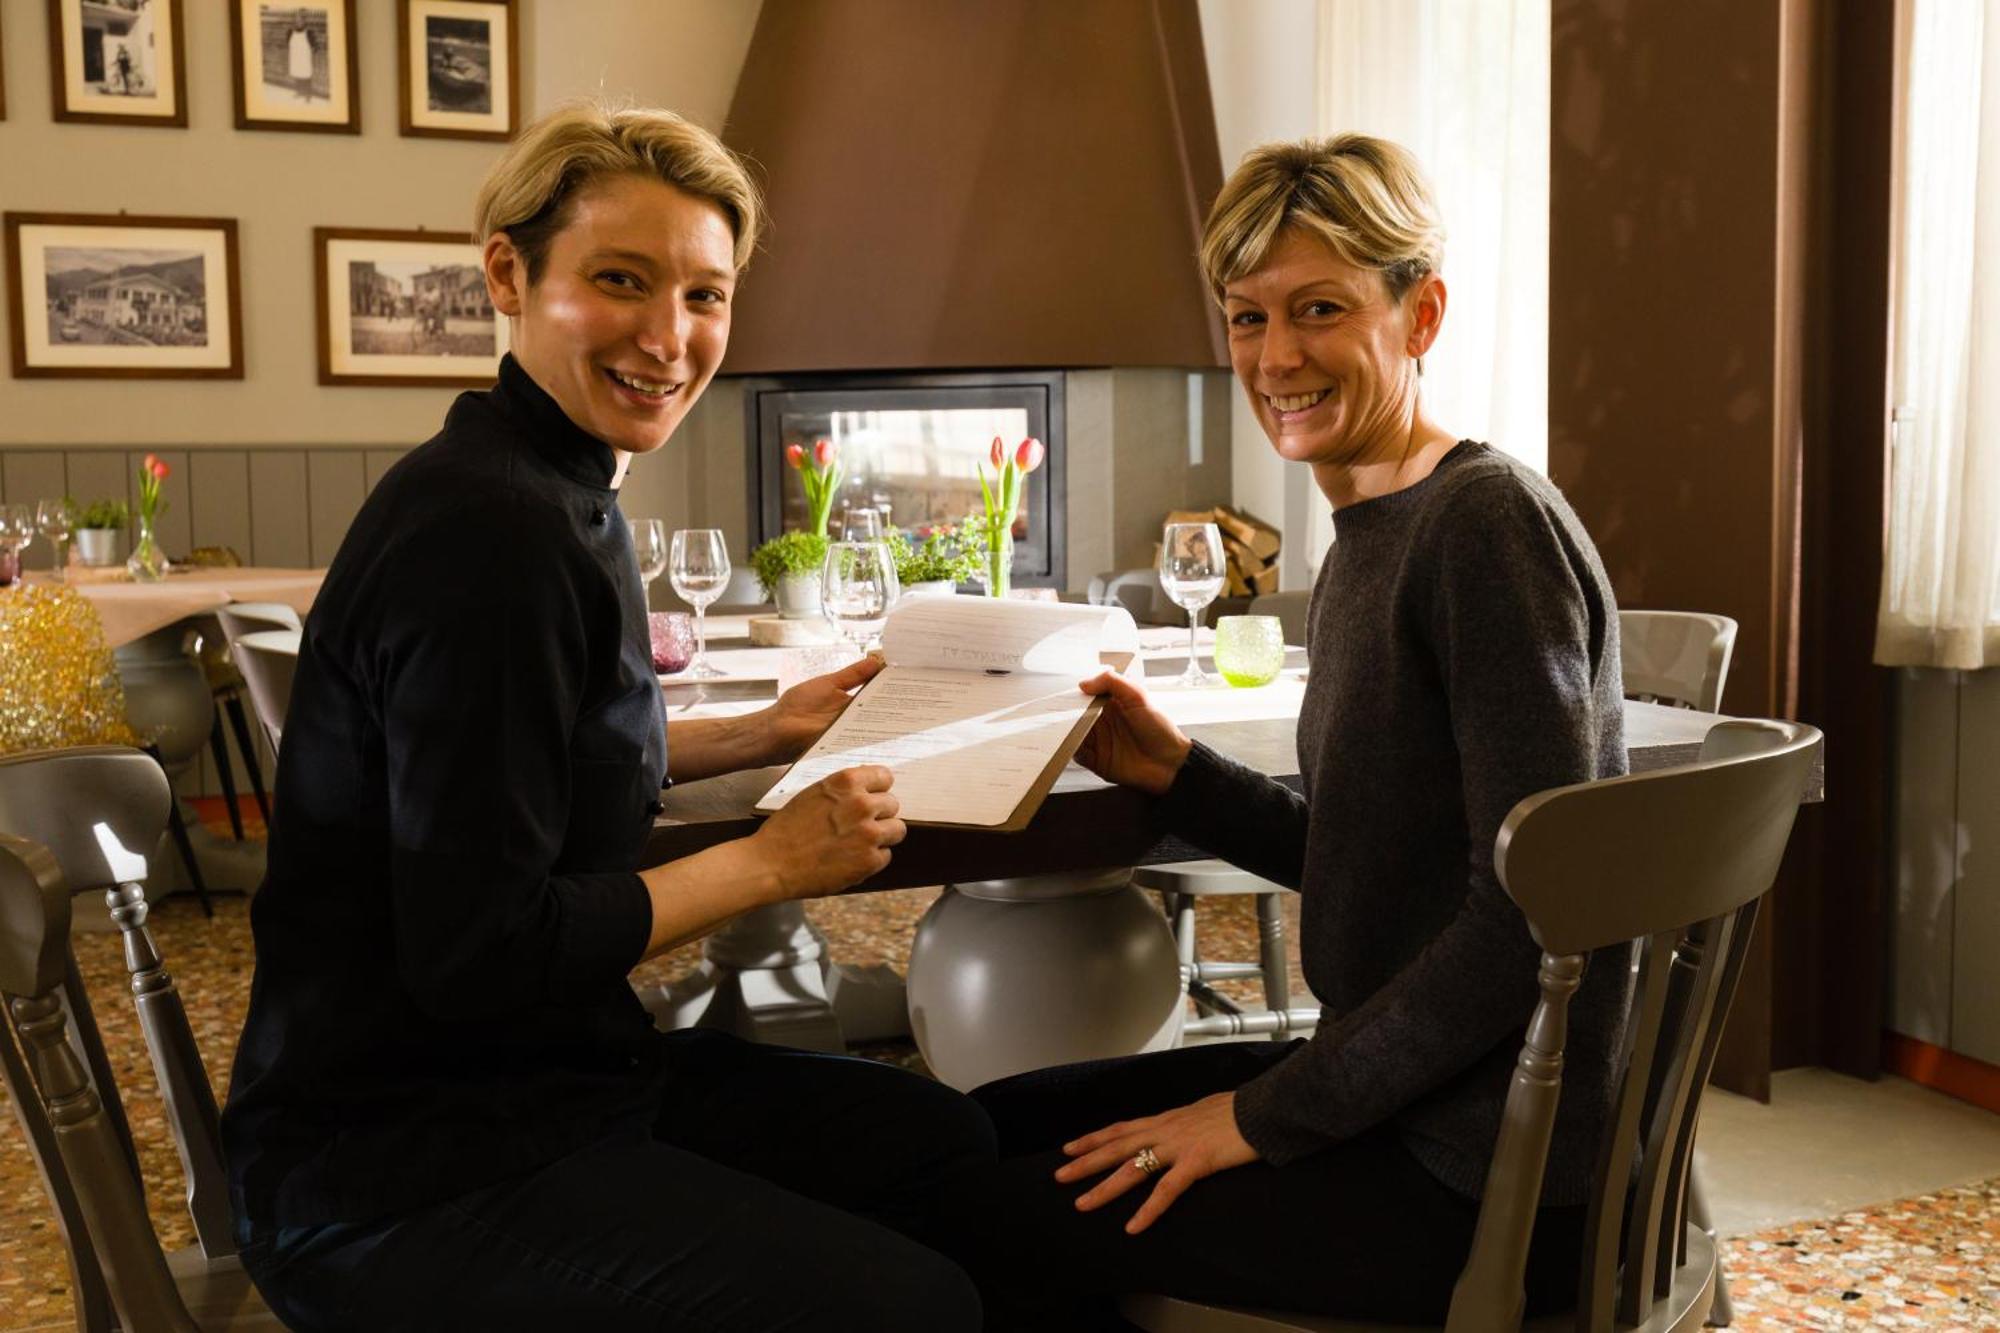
x=1927 y=1262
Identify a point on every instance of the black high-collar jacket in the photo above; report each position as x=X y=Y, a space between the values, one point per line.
x=472 y=756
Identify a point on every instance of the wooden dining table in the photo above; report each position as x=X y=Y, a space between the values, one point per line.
x=759 y=974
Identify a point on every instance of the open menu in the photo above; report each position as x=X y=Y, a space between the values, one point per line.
x=977 y=709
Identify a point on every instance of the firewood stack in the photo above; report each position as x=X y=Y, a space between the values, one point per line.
x=1252 y=544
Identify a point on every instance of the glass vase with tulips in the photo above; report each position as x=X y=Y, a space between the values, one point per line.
x=1002 y=500
x=147 y=563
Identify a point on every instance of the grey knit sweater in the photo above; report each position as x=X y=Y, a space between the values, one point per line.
x=1464 y=654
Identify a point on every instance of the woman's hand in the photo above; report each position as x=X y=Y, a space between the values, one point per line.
x=1189 y=1142
x=833 y=834
x=807 y=709
x=1133 y=743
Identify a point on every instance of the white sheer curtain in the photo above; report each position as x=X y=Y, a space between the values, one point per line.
x=1941 y=578
x=1463 y=84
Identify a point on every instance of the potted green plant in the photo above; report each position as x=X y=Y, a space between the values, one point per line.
x=789 y=564
x=938 y=563
x=97 y=526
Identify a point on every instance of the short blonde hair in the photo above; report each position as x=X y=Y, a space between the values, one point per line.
x=530 y=191
x=1367 y=198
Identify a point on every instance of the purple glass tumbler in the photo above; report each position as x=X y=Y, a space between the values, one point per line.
x=672 y=633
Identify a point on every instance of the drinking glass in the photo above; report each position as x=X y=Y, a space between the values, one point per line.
x=862 y=525
x=52 y=517
x=649 y=543
x=1192 y=567
x=700 y=571
x=1249 y=650
x=17 y=528
x=857 y=588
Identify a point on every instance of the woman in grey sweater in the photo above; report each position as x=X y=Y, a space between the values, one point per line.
x=1463 y=640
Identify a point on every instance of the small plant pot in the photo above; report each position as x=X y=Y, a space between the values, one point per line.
x=931 y=588
x=97 y=546
x=798 y=596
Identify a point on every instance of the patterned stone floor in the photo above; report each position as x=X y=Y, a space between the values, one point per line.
x=1929 y=1262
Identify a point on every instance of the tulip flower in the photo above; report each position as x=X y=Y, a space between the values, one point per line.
x=998 y=455
x=795 y=454
x=159 y=470
x=1029 y=454
x=150 y=462
x=823 y=452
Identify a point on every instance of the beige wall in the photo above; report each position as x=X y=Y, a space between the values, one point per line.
x=680 y=53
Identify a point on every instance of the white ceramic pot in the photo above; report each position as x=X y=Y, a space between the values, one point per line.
x=932 y=588
x=798 y=596
x=97 y=546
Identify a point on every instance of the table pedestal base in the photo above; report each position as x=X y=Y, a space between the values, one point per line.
x=766 y=977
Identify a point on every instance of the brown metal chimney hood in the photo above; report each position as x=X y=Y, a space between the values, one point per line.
x=977 y=184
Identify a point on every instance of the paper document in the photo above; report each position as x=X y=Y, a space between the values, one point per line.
x=977 y=710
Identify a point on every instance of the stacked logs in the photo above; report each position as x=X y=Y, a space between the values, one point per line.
x=1252 y=545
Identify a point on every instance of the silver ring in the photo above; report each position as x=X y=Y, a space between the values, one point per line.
x=1147 y=1162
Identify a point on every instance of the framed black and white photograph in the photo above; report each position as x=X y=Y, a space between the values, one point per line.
x=294 y=66
x=118 y=62
x=404 y=307
x=115 y=297
x=459 y=68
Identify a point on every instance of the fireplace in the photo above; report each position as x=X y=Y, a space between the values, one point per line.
x=911 y=446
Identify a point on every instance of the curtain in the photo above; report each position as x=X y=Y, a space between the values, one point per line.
x=1463 y=84
x=1940 y=603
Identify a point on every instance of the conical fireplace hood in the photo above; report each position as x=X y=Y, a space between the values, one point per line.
x=977 y=184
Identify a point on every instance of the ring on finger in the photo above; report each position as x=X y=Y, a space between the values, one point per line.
x=1146 y=1162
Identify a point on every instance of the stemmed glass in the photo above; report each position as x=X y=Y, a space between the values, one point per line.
x=861 y=525
x=1192 y=568
x=857 y=587
x=700 y=571
x=52 y=517
x=649 y=544
x=17 y=530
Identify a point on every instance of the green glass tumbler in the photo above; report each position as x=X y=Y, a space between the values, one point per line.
x=1249 y=650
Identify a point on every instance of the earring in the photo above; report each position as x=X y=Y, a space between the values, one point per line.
x=1420 y=367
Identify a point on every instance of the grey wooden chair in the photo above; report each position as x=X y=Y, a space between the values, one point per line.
x=1288 y=607
x=87 y=808
x=268 y=659
x=226 y=683
x=1680 y=658
x=1691 y=850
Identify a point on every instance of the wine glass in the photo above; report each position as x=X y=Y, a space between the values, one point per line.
x=857 y=588
x=649 y=544
x=52 y=517
x=861 y=525
x=699 y=570
x=17 y=529
x=1192 y=567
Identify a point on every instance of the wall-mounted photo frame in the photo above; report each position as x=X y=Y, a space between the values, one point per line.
x=118 y=62
x=458 y=68
x=112 y=296
x=404 y=308
x=294 y=65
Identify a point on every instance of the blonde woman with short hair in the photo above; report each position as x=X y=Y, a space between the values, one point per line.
x=1464 y=648
x=449 y=1110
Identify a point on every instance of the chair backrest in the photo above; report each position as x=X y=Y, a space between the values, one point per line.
x=1674 y=861
x=240 y=618
x=99 y=811
x=1138 y=591
x=1675 y=657
x=1289 y=608
x=268 y=660
x=84 y=1153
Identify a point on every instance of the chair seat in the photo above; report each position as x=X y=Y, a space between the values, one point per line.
x=1203 y=879
x=1682 y=1312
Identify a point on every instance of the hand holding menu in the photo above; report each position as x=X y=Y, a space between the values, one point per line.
x=977 y=710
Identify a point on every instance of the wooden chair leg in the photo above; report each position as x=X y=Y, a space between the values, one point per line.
x=1271 y=956
x=219 y=748
x=1720 y=1313
x=240 y=724
x=178 y=827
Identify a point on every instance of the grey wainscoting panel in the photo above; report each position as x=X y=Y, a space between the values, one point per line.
x=1927 y=851
x=29 y=477
x=97 y=474
x=1975 y=1009
x=219 y=503
x=171 y=527
x=337 y=484
x=280 y=509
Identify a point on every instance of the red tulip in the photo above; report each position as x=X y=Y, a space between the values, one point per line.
x=149 y=462
x=795 y=454
x=823 y=452
x=1029 y=454
x=159 y=470
x=998 y=456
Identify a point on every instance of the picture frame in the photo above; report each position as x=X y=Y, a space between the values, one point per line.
x=116 y=296
x=118 y=62
x=458 y=69
x=294 y=66
x=404 y=308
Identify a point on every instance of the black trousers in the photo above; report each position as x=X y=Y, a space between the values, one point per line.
x=1359 y=1230
x=778 y=1189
